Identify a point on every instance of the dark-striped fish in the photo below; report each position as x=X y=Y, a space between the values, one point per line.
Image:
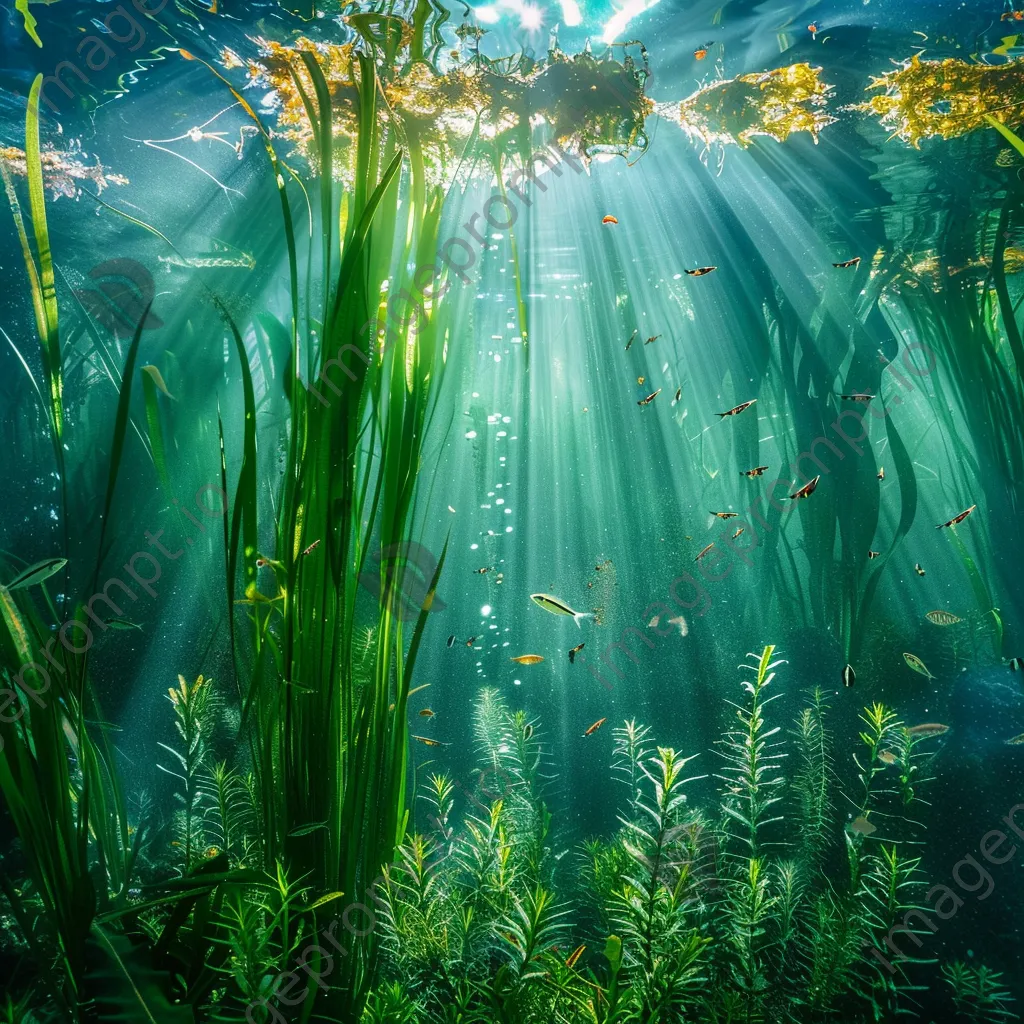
x=699 y=272
x=756 y=471
x=576 y=650
x=736 y=410
x=806 y=491
x=597 y=725
x=426 y=741
x=942 y=618
x=650 y=398
x=312 y=547
x=701 y=554
x=652 y=339
x=679 y=393
x=917 y=665
x=725 y=515
x=857 y=396
x=957 y=519
x=557 y=606
x=451 y=640
x=632 y=338
x=847 y=263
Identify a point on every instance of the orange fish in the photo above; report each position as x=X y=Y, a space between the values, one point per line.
x=756 y=471
x=737 y=533
x=813 y=29
x=527 y=659
x=312 y=547
x=426 y=713
x=700 y=53
x=736 y=409
x=609 y=219
x=957 y=519
x=597 y=725
x=806 y=491
x=699 y=272
x=653 y=338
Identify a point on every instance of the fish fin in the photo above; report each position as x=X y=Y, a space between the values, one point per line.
x=581 y=615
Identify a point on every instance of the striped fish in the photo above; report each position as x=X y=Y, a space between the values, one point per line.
x=557 y=606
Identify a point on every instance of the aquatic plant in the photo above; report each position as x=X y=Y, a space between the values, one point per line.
x=978 y=993
x=700 y=921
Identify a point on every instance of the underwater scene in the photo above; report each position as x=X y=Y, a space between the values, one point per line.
x=511 y=512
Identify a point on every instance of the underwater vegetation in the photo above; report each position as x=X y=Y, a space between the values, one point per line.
x=301 y=867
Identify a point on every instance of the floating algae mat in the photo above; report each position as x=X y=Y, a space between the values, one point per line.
x=513 y=513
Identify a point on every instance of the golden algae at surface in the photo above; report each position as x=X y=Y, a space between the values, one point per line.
x=775 y=103
x=923 y=99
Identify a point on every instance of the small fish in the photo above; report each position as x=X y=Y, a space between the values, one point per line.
x=482 y=572
x=652 y=339
x=680 y=622
x=632 y=338
x=849 y=676
x=702 y=51
x=1016 y=741
x=1015 y=664
x=574 y=956
x=873 y=554
x=857 y=396
x=725 y=515
x=116 y=623
x=211 y=851
x=155 y=376
x=653 y=624
x=847 y=263
x=426 y=713
x=260 y=563
x=813 y=29
x=957 y=519
x=312 y=547
x=679 y=393
x=528 y=732
x=37 y=573
x=881 y=473
x=887 y=757
x=736 y=410
x=918 y=569
x=556 y=606
x=450 y=509
x=928 y=729
x=210 y=261
x=609 y=219
x=756 y=471
x=917 y=664
x=451 y=640
x=863 y=826
x=471 y=641
x=597 y=725
x=576 y=650
x=704 y=552
x=806 y=491
x=428 y=742
x=699 y=272
x=942 y=618
x=737 y=533
x=641 y=381
x=650 y=398
x=527 y=659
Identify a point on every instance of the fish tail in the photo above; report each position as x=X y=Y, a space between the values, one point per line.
x=581 y=615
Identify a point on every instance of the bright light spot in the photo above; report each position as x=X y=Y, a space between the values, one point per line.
x=508 y=529
x=471 y=434
x=488 y=15
x=530 y=17
x=473 y=547
x=616 y=25
x=571 y=12
x=517 y=682
x=485 y=611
